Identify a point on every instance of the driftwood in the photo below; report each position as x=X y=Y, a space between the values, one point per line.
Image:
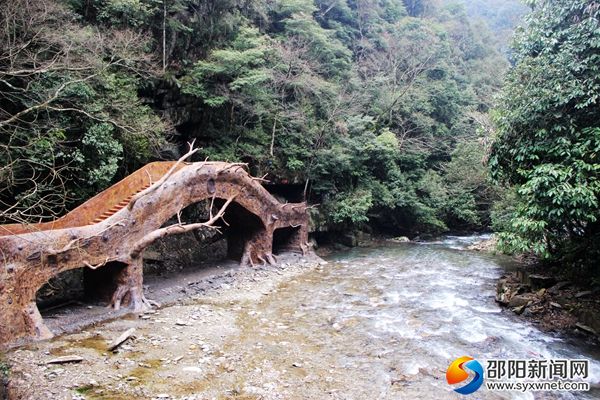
x=31 y=255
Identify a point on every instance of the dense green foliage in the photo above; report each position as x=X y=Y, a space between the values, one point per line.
x=70 y=114
x=375 y=109
x=548 y=140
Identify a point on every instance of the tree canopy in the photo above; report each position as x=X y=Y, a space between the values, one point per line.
x=367 y=107
x=548 y=133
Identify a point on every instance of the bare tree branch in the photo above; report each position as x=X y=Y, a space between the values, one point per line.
x=177 y=229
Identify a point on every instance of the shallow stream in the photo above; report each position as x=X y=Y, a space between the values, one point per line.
x=395 y=317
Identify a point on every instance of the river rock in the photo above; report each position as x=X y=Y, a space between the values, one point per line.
x=519 y=300
x=364 y=238
x=502 y=291
x=589 y=318
x=527 y=312
x=585 y=293
x=349 y=239
x=585 y=328
x=558 y=287
x=506 y=290
x=488 y=245
x=519 y=310
x=401 y=239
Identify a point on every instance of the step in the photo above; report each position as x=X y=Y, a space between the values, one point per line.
x=119 y=206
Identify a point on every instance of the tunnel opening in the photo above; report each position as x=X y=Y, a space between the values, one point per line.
x=100 y=284
x=63 y=289
x=240 y=225
x=286 y=239
x=190 y=250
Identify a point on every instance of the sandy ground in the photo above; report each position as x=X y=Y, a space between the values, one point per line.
x=180 y=351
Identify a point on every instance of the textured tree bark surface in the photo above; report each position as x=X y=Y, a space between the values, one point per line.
x=31 y=255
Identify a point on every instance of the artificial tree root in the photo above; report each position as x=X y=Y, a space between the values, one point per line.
x=34 y=317
x=133 y=297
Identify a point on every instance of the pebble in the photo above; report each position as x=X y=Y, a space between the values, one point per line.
x=192 y=369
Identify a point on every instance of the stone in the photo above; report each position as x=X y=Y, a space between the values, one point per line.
x=584 y=293
x=559 y=286
x=364 y=238
x=65 y=360
x=193 y=369
x=519 y=310
x=519 y=300
x=585 y=328
x=527 y=312
x=521 y=289
x=401 y=239
x=121 y=339
x=589 y=318
x=349 y=239
x=501 y=285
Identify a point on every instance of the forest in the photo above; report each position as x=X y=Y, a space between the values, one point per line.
x=412 y=117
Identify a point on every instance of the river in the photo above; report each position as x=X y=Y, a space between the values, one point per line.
x=401 y=313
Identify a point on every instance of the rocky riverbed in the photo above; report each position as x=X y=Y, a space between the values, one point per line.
x=173 y=351
x=554 y=304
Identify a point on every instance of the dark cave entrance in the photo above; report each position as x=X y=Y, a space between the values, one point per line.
x=100 y=284
x=286 y=239
x=241 y=226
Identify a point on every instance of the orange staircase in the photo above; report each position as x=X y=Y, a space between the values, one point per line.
x=101 y=206
x=111 y=211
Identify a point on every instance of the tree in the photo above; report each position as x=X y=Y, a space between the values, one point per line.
x=548 y=132
x=69 y=109
x=357 y=103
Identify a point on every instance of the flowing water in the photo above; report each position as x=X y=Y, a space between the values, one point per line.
x=392 y=319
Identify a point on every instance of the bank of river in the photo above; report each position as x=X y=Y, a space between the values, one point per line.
x=374 y=323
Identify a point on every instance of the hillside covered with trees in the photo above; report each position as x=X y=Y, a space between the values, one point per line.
x=548 y=139
x=377 y=109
